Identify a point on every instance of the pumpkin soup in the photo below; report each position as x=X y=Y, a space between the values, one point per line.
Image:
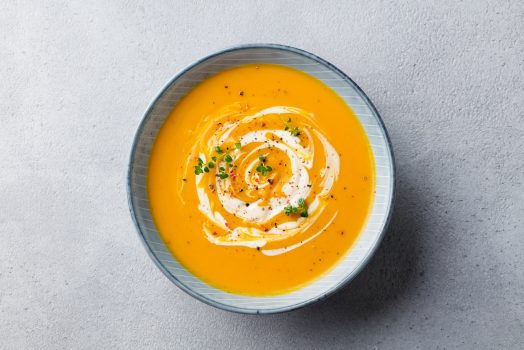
x=260 y=179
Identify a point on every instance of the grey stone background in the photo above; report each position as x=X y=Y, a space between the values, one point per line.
x=447 y=77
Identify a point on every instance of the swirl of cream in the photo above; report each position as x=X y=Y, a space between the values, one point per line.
x=255 y=215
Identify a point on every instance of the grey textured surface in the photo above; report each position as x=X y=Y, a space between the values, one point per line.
x=447 y=79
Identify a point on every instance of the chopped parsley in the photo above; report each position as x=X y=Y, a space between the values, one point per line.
x=228 y=158
x=289 y=209
x=222 y=173
x=238 y=145
x=264 y=169
x=218 y=150
x=198 y=167
x=294 y=131
x=301 y=207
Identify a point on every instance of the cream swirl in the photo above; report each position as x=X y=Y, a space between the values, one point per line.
x=262 y=162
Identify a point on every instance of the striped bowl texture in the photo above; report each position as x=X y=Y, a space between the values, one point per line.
x=368 y=240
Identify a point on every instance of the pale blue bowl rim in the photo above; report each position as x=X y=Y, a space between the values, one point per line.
x=350 y=276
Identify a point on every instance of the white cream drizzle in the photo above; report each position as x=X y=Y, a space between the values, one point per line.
x=301 y=160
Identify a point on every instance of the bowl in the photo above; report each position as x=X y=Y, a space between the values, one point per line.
x=368 y=240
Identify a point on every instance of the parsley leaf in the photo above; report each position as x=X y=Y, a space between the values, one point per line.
x=293 y=131
x=302 y=207
x=264 y=169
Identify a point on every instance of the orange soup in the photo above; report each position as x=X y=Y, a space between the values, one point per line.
x=260 y=180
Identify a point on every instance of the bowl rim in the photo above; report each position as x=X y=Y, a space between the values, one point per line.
x=245 y=310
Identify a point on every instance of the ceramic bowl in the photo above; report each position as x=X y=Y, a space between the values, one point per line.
x=367 y=242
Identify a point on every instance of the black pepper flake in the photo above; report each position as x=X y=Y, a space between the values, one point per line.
x=309 y=186
x=258 y=248
x=247 y=204
x=270 y=181
x=241 y=93
x=225 y=87
x=184 y=179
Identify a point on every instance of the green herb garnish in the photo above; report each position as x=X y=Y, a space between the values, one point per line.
x=228 y=158
x=262 y=158
x=289 y=209
x=302 y=207
x=264 y=169
x=211 y=165
x=219 y=150
x=238 y=145
x=198 y=167
x=293 y=131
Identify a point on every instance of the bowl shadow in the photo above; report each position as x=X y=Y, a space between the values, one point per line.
x=392 y=273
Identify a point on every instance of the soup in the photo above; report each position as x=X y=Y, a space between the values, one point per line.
x=260 y=180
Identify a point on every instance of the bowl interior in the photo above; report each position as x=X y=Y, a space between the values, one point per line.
x=366 y=243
